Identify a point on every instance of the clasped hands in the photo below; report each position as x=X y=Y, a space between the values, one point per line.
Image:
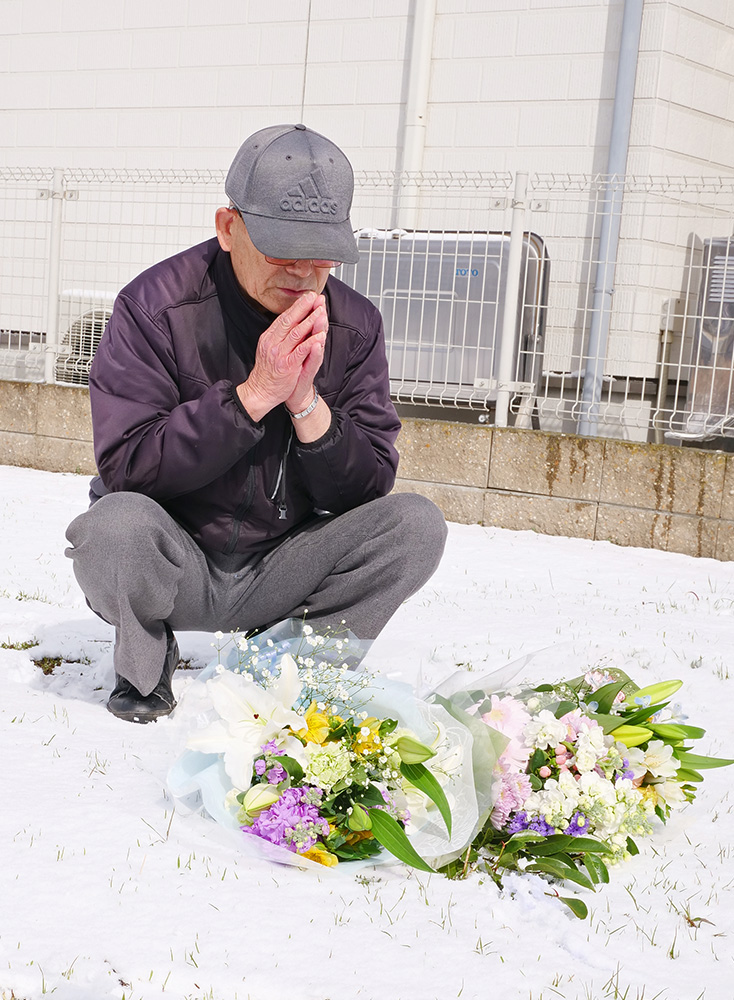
x=288 y=356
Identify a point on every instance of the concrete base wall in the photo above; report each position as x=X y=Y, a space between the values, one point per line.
x=46 y=427
x=653 y=496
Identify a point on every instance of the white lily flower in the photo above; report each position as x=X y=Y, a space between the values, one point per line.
x=671 y=793
x=659 y=759
x=249 y=717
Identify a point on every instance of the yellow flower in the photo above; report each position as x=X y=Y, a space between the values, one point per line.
x=321 y=856
x=649 y=794
x=368 y=738
x=317 y=726
x=355 y=837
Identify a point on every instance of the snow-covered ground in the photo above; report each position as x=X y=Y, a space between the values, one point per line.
x=107 y=892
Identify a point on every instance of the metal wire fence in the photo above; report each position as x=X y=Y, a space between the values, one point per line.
x=591 y=304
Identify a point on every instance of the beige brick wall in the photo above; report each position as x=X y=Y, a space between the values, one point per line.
x=653 y=496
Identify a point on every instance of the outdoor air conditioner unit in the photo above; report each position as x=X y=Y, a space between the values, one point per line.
x=442 y=298
x=709 y=410
x=83 y=316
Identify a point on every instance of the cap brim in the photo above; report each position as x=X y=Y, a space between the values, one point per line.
x=288 y=239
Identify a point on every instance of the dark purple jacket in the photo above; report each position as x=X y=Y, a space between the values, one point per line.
x=168 y=422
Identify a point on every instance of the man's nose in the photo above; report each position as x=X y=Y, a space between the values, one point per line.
x=301 y=267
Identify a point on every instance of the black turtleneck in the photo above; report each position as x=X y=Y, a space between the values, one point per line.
x=244 y=319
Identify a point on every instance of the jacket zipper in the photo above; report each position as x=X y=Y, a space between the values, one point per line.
x=278 y=494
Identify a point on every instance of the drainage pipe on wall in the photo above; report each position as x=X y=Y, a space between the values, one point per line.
x=56 y=193
x=416 y=102
x=508 y=338
x=624 y=92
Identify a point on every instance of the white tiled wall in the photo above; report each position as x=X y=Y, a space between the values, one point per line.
x=683 y=121
x=515 y=84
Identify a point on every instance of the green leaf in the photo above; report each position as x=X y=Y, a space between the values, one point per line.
x=554 y=844
x=369 y=796
x=684 y=774
x=635 y=717
x=604 y=696
x=356 y=852
x=632 y=847
x=572 y=874
x=596 y=868
x=607 y=722
x=699 y=762
x=551 y=866
x=563 y=708
x=536 y=783
x=589 y=846
x=548 y=866
x=392 y=836
x=294 y=769
x=424 y=781
x=387 y=726
x=591 y=869
x=577 y=906
x=537 y=759
x=518 y=841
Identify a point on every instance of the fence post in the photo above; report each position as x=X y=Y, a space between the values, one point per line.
x=508 y=336
x=54 y=262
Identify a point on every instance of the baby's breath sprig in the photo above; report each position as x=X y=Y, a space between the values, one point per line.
x=326 y=658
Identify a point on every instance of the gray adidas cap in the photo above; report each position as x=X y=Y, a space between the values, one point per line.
x=293 y=188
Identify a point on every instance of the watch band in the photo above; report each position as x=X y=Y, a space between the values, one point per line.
x=309 y=409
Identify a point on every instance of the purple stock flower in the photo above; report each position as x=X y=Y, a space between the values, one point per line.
x=276 y=774
x=272 y=748
x=540 y=826
x=578 y=826
x=293 y=821
x=260 y=766
x=520 y=822
x=389 y=801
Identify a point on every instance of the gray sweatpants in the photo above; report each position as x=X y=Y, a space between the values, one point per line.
x=139 y=568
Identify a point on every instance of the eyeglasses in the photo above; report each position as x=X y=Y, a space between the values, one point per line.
x=288 y=263
x=280 y=262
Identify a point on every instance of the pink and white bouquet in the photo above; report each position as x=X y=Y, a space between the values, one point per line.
x=588 y=764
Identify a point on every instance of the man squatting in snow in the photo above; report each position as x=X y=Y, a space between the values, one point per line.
x=244 y=433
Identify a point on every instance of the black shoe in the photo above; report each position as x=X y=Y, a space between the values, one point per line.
x=127 y=703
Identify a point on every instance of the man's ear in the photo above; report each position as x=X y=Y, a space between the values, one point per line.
x=224 y=220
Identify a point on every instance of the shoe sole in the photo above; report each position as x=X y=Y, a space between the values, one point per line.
x=141 y=717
